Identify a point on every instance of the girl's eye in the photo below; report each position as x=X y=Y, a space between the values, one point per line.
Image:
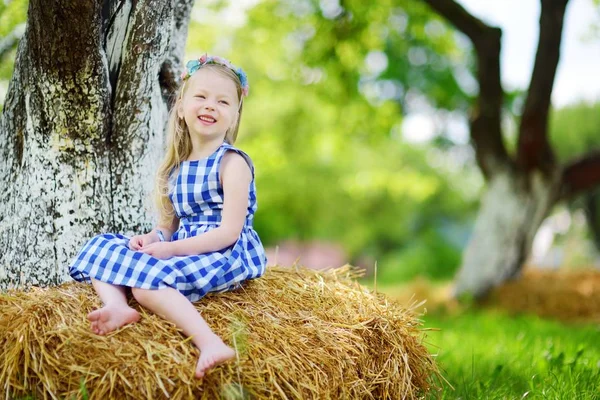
x=200 y=96
x=224 y=102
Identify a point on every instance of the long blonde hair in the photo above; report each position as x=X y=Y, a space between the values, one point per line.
x=179 y=144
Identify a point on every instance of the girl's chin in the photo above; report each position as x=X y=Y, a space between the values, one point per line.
x=208 y=134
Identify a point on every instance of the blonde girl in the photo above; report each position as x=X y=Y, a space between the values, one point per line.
x=204 y=241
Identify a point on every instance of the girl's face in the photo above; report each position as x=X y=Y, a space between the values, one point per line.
x=209 y=104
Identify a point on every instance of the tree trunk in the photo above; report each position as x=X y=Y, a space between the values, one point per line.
x=516 y=202
x=510 y=214
x=82 y=128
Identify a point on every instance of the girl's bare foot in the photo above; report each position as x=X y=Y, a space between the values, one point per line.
x=109 y=318
x=213 y=353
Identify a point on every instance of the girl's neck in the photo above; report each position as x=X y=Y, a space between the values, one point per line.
x=204 y=149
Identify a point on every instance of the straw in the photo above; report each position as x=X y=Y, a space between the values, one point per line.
x=298 y=333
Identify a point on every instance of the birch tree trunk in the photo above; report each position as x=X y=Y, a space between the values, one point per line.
x=82 y=128
x=510 y=214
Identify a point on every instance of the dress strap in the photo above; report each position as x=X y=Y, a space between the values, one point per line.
x=227 y=147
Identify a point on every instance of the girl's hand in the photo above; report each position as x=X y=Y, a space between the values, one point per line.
x=139 y=241
x=159 y=249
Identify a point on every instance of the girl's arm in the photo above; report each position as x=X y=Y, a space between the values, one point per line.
x=167 y=229
x=138 y=242
x=236 y=177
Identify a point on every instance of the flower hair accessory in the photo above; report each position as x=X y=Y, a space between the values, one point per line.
x=194 y=65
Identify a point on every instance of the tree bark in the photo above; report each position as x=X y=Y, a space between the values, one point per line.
x=510 y=214
x=485 y=119
x=533 y=150
x=82 y=128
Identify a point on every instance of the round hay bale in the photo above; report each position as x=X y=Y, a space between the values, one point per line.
x=298 y=334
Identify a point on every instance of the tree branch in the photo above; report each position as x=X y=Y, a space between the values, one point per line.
x=580 y=175
x=486 y=132
x=534 y=150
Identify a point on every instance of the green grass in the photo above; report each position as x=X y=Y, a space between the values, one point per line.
x=489 y=355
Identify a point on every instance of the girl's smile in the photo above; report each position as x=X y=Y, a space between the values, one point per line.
x=209 y=105
x=207 y=119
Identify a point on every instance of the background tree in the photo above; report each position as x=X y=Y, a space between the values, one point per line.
x=522 y=188
x=82 y=127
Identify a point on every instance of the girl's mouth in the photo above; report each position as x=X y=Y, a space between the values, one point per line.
x=207 y=119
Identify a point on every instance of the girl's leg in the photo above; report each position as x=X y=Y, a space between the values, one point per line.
x=175 y=307
x=115 y=313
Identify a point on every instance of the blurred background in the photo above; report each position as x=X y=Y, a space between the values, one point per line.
x=357 y=123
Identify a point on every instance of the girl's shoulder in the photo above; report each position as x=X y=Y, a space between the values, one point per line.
x=230 y=149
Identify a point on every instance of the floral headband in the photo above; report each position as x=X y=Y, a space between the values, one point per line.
x=194 y=65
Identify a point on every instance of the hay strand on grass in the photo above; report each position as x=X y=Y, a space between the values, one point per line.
x=298 y=334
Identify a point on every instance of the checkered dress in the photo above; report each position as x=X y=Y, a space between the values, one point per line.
x=197 y=197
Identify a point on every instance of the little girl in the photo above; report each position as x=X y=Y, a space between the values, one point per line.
x=204 y=241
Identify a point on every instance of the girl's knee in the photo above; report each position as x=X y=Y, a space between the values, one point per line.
x=141 y=295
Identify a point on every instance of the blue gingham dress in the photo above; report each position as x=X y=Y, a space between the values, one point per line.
x=197 y=197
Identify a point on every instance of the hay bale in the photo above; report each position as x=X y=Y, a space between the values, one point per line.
x=568 y=295
x=298 y=334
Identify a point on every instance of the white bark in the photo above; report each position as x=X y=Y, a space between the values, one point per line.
x=509 y=216
x=53 y=175
x=77 y=153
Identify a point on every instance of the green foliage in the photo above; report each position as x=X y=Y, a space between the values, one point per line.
x=575 y=130
x=12 y=13
x=432 y=256
x=12 y=17
x=494 y=356
x=379 y=49
x=320 y=123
